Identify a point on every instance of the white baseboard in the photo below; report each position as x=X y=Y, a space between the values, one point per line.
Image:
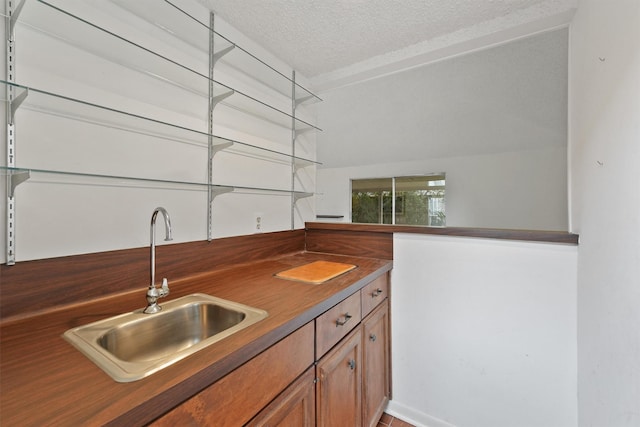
x=412 y=416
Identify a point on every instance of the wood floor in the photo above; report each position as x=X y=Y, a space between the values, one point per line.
x=389 y=421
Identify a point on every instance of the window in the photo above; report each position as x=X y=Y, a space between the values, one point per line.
x=415 y=200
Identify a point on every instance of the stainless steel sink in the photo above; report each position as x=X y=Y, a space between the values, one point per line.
x=134 y=345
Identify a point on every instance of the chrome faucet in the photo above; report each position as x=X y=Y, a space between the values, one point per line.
x=154 y=293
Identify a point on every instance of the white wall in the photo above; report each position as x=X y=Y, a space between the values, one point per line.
x=484 y=332
x=476 y=186
x=62 y=216
x=494 y=121
x=605 y=205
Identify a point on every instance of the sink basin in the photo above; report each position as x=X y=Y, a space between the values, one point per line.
x=134 y=345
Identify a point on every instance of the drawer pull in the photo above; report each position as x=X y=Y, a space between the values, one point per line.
x=347 y=317
x=373 y=337
x=376 y=293
x=352 y=364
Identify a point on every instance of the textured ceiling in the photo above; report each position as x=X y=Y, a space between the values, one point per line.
x=319 y=38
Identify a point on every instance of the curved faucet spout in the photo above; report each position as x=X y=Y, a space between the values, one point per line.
x=167 y=223
x=154 y=293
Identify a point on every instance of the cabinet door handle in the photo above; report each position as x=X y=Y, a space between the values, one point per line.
x=376 y=293
x=352 y=364
x=373 y=337
x=347 y=317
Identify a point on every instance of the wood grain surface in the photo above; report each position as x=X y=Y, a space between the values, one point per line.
x=349 y=242
x=30 y=286
x=239 y=396
x=486 y=233
x=316 y=272
x=45 y=381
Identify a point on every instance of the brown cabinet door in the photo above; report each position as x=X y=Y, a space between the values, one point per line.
x=294 y=407
x=339 y=388
x=376 y=364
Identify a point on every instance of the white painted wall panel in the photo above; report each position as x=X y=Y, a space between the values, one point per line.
x=493 y=120
x=605 y=204
x=495 y=191
x=484 y=332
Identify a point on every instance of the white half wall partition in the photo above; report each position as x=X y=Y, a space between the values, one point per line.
x=484 y=332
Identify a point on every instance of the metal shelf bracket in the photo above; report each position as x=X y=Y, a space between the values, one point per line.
x=14 y=17
x=222 y=52
x=302 y=131
x=218 y=99
x=15 y=178
x=301 y=164
x=298 y=196
x=219 y=147
x=217 y=190
x=15 y=104
x=294 y=200
x=303 y=99
x=214 y=190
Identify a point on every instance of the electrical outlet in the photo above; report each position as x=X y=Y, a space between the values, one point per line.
x=258 y=216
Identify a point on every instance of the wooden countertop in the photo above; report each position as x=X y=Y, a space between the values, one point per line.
x=45 y=381
x=486 y=233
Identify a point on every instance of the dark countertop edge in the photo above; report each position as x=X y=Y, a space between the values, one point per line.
x=487 y=233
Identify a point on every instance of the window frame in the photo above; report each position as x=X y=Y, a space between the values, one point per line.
x=394 y=197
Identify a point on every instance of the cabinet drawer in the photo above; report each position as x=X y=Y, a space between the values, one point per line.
x=374 y=293
x=335 y=323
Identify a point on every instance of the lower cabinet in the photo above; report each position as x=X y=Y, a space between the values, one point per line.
x=295 y=407
x=339 y=387
x=354 y=377
x=376 y=363
x=332 y=372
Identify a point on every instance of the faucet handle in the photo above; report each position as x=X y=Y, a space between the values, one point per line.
x=164 y=291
